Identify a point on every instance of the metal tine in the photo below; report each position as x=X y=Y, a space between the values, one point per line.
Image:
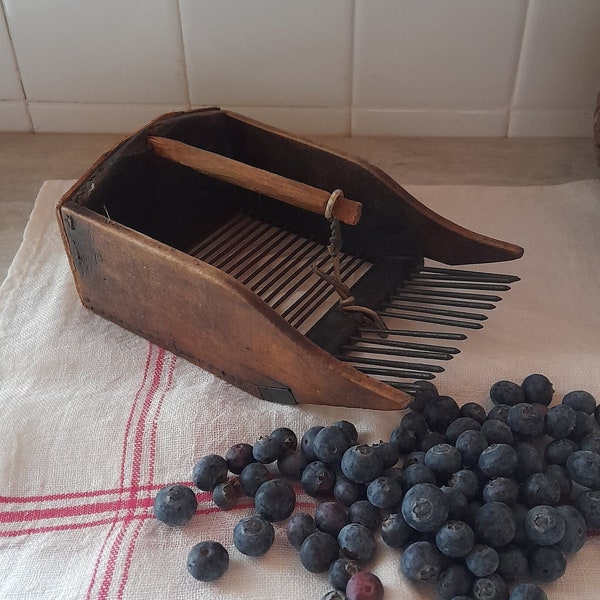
x=234 y=249
x=436 y=311
x=291 y=240
x=402 y=385
x=282 y=262
x=391 y=363
x=465 y=285
x=444 y=301
x=252 y=257
x=317 y=289
x=445 y=294
x=304 y=267
x=439 y=335
x=408 y=345
x=224 y=252
x=466 y=273
x=438 y=321
x=395 y=373
x=399 y=352
x=238 y=221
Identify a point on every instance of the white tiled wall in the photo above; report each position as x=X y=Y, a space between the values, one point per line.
x=362 y=67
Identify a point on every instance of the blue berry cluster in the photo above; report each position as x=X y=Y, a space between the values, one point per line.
x=483 y=505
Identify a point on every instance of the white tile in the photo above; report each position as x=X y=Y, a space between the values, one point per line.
x=560 y=63
x=268 y=53
x=302 y=121
x=552 y=123
x=13 y=116
x=10 y=85
x=453 y=123
x=108 y=51
x=94 y=118
x=438 y=54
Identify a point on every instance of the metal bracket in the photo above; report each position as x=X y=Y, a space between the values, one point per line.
x=279 y=395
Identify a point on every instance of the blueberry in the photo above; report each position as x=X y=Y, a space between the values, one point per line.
x=425 y=507
x=590 y=442
x=238 y=456
x=364 y=586
x=501 y=489
x=299 y=527
x=529 y=459
x=491 y=587
x=584 y=425
x=525 y=420
x=588 y=504
x=253 y=535
x=330 y=443
x=417 y=457
x=471 y=444
x=207 y=561
x=440 y=413
x=348 y=492
x=580 y=400
x=540 y=488
x=455 y=539
x=318 y=551
x=252 y=477
x=443 y=460
x=361 y=463
x=340 y=572
x=330 y=517
x=499 y=412
x=291 y=464
x=306 y=442
x=457 y=503
x=482 y=561
x=384 y=492
x=417 y=473
x=495 y=524
x=528 y=591
x=496 y=431
x=498 y=460
x=575 y=530
x=267 y=449
x=175 y=504
x=425 y=392
x=560 y=421
x=357 y=542
x=431 y=439
x=422 y=561
x=226 y=494
x=388 y=453
x=209 y=471
x=584 y=468
x=556 y=452
x=513 y=564
x=507 y=392
x=363 y=512
x=394 y=472
x=465 y=481
x=454 y=580
x=396 y=532
x=275 y=500
x=561 y=475
x=318 y=479
x=547 y=563
x=350 y=430
x=415 y=422
x=286 y=436
x=537 y=389
x=459 y=426
x=473 y=410
x=403 y=439
x=544 y=525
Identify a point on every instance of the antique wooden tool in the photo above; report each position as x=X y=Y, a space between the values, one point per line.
x=292 y=271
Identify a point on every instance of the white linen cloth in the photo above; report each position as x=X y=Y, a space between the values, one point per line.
x=94 y=420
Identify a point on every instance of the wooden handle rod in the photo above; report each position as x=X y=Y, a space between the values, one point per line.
x=251 y=178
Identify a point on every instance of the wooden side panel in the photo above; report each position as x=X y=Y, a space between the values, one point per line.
x=198 y=312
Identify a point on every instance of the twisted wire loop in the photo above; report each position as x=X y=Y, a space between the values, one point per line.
x=346 y=301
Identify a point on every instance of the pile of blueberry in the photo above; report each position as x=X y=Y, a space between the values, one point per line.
x=475 y=502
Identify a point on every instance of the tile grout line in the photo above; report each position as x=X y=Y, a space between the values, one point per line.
x=188 y=97
x=16 y=60
x=517 y=71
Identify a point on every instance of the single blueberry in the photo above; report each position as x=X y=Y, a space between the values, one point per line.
x=584 y=425
x=556 y=452
x=425 y=507
x=330 y=517
x=425 y=392
x=495 y=524
x=544 y=525
x=417 y=473
x=388 y=453
x=498 y=460
x=318 y=551
x=431 y=439
x=506 y=392
x=384 y=492
x=238 y=456
x=291 y=464
x=528 y=591
x=207 y=561
x=529 y=459
x=499 y=412
x=318 y=479
x=482 y=561
x=547 y=563
x=491 y=587
x=364 y=586
x=422 y=561
x=513 y=564
x=403 y=439
x=565 y=483
x=209 y=471
x=267 y=449
x=348 y=492
x=575 y=530
x=590 y=442
x=465 y=481
x=443 y=460
x=361 y=463
x=340 y=572
x=580 y=400
x=457 y=503
x=525 y=420
x=414 y=421
x=252 y=477
x=496 y=431
x=299 y=526
x=306 y=442
x=330 y=443
x=459 y=426
x=175 y=504
x=540 y=488
x=396 y=532
x=501 y=489
x=560 y=421
x=473 y=410
x=275 y=500
x=365 y=513
x=455 y=539
x=440 y=413
x=253 y=535
x=471 y=444
x=453 y=581
x=286 y=436
x=588 y=504
x=226 y=494
x=350 y=430
x=357 y=542
x=584 y=468
x=537 y=389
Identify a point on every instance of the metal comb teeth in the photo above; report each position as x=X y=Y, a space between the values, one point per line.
x=454 y=298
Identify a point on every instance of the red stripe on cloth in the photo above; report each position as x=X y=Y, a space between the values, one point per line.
x=123 y=461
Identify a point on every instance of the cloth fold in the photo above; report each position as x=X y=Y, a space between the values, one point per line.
x=95 y=419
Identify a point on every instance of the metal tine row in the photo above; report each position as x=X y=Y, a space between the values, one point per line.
x=465 y=275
